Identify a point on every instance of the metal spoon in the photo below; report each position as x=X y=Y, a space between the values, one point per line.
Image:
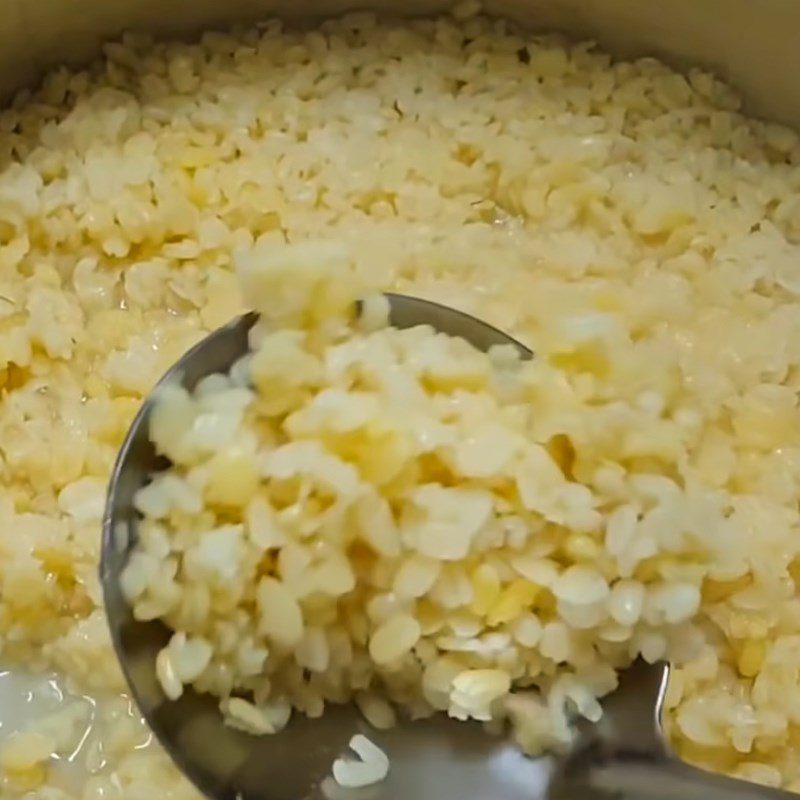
x=623 y=757
x=626 y=755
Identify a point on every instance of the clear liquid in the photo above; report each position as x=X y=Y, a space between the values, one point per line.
x=39 y=701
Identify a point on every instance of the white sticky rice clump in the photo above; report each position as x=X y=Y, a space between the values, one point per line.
x=371 y=767
x=340 y=496
x=626 y=219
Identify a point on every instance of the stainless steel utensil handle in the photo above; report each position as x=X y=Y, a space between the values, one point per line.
x=627 y=757
x=669 y=779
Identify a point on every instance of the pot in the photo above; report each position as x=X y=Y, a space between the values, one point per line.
x=752 y=45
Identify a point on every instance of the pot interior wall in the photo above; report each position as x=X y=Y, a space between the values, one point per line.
x=755 y=44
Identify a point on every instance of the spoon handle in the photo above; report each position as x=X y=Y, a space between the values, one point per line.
x=668 y=779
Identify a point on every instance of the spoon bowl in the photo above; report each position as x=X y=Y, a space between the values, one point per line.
x=438 y=757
